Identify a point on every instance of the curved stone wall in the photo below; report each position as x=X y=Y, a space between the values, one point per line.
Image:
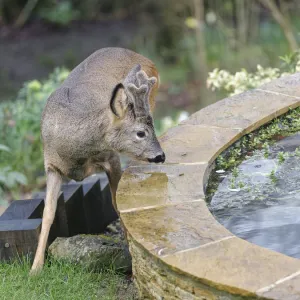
x=179 y=250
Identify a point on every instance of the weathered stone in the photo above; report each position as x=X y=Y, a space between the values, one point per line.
x=234 y=265
x=173 y=228
x=176 y=248
x=246 y=111
x=195 y=144
x=289 y=289
x=288 y=85
x=126 y=290
x=93 y=251
x=155 y=280
x=152 y=185
x=115 y=231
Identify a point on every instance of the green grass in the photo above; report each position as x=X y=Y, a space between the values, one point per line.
x=59 y=280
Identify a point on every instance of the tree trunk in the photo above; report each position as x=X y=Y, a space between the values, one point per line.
x=241 y=22
x=200 y=38
x=254 y=19
x=202 y=69
x=283 y=21
x=25 y=13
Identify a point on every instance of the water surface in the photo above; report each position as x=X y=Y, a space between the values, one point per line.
x=261 y=202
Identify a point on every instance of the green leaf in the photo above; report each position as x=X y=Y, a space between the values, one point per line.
x=18 y=177
x=2 y=178
x=11 y=178
x=4 y=148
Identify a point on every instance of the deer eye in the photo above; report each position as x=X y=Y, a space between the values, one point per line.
x=141 y=134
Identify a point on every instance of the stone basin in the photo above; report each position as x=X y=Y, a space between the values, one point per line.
x=179 y=250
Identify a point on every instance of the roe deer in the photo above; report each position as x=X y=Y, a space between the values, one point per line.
x=103 y=108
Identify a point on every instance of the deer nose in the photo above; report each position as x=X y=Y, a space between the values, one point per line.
x=158 y=159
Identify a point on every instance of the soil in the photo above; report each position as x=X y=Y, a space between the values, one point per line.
x=35 y=50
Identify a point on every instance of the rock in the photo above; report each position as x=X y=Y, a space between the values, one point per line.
x=115 y=230
x=127 y=290
x=93 y=251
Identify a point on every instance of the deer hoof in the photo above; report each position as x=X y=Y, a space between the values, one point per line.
x=36 y=269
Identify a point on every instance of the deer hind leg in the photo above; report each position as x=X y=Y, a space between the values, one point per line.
x=54 y=182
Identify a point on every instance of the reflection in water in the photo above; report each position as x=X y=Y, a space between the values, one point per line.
x=262 y=210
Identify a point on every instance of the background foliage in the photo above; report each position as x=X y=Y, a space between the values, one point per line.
x=21 y=159
x=241 y=81
x=204 y=50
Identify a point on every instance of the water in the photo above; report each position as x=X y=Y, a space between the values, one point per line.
x=262 y=208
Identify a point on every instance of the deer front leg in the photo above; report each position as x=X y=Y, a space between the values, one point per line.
x=54 y=182
x=113 y=171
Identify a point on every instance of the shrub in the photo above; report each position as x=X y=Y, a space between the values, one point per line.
x=241 y=81
x=60 y=14
x=20 y=131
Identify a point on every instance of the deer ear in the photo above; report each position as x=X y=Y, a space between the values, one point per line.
x=114 y=106
x=119 y=104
